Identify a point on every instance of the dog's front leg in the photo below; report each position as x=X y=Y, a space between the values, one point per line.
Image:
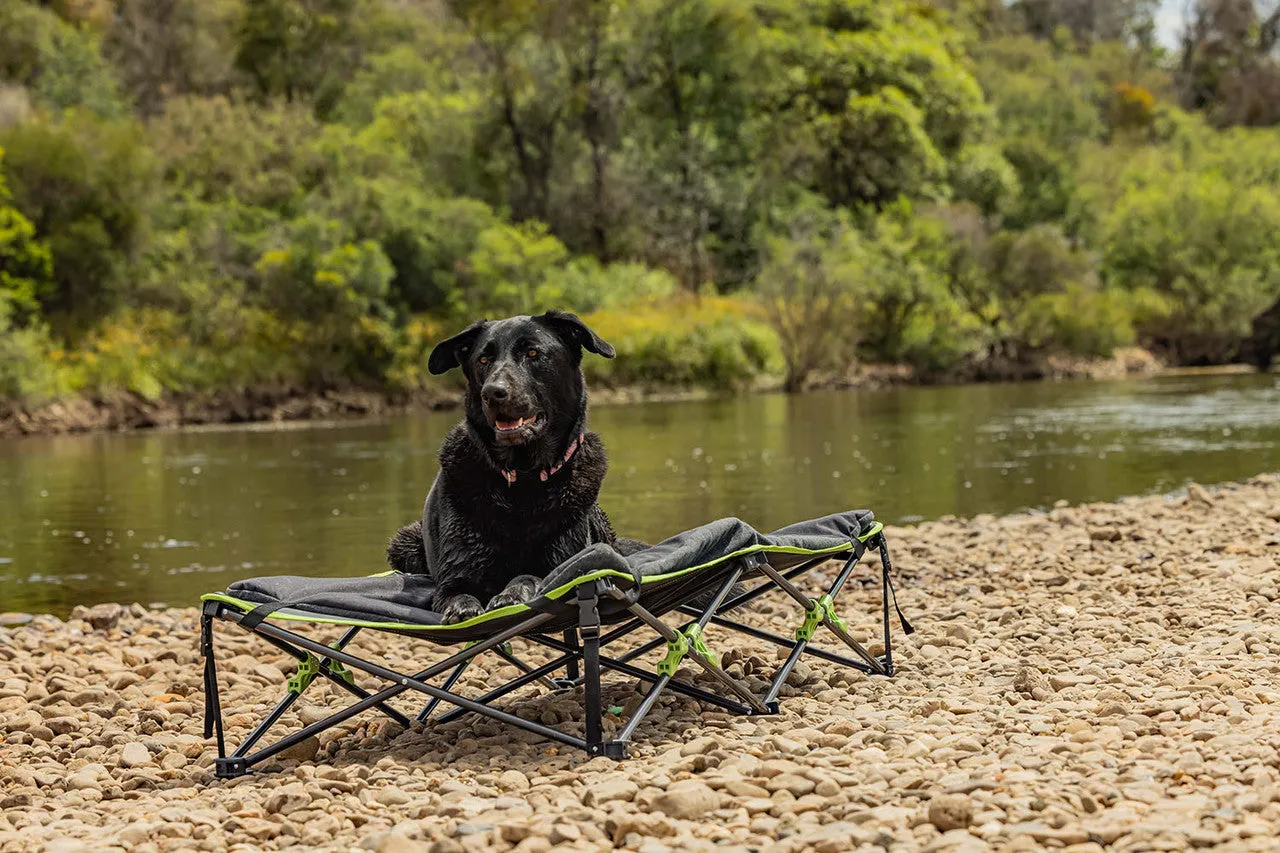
x=520 y=590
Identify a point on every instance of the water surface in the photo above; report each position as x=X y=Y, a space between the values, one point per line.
x=162 y=517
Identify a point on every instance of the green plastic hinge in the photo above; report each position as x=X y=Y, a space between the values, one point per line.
x=308 y=669
x=336 y=668
x=694 y=633
x=676 y=650
x=820 y=610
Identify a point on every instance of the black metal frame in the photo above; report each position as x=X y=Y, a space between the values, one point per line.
x=581 y=659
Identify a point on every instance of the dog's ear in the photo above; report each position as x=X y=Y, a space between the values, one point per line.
x=449 y=353
x=574 y=332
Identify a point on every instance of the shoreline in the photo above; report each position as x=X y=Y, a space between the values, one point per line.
x=276 y=407
x=1102 y=675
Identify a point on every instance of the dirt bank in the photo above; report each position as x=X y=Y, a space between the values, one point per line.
x=1100 y=677
x=127 y=411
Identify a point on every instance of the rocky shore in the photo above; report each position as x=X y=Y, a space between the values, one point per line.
x=1104 y=677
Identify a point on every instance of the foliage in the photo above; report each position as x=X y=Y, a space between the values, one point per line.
x=86 y=185
x=213 y=150
x=300 y=50
x=161 y=49
x=211 y=194
x=26 y=269
x=1230 y=61
x=56 y=61
x=813 y=286
x=875 y=101
x=512 y=270
x=685 y=340
x=1208 y=247
x=27 y=371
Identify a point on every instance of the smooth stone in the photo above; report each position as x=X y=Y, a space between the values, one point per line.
x=688 y=800
x=950 y=811
x=135 y=754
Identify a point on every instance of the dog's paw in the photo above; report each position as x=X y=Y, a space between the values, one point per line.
x=519 y=591
x=461 y=608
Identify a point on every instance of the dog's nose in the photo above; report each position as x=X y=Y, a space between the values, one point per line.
x=494 y=392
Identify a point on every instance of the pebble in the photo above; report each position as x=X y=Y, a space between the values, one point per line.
x=611 y=790
x=687 y=800
x=392 y=797
x=134 y=755
x=950 y=811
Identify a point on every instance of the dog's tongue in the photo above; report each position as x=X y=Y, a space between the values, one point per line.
x=505 y=426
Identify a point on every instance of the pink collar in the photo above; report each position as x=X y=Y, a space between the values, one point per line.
x=510 y=475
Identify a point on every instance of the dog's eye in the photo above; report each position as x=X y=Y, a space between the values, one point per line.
x=484 y=359
x=533 y=353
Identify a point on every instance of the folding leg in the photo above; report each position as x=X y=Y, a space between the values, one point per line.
x=512 y=686
x=593 y=713
x=736 y=601
x=427 y=709
x=571 y=670
x=502 y=652
x=820 y=611
x=240 y=762
x=688 y=641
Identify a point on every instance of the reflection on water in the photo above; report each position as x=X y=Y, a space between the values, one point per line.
x=162 y=517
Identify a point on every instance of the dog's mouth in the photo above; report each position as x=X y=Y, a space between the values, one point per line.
x=519 y=430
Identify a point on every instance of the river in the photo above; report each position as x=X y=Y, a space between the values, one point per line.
x=160 y=517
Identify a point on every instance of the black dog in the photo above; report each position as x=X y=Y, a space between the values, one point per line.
x=516 y=493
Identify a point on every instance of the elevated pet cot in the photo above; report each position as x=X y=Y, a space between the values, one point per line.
x=596 y=588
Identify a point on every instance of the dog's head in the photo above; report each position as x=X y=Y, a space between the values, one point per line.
x=524 y=377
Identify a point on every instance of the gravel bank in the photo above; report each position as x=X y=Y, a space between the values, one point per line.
x=1098 y=677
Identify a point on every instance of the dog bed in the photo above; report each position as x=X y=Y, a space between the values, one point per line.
x=597 y=587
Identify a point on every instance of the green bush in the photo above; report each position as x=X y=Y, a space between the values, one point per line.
x=26 y=268
x=87 y=185
x=588 y=285
x=1209 y=248
x=709 y=341
x=214 y=150
x=27 y=370
x=513 y=269
x=58 y=62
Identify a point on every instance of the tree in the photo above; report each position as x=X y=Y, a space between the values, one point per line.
x=1229 y=65
x=1090 y=21
x=530 y=93
x=87 y=186
x=301 y=50
x=689 y=69
x=26 y=268
x=511 y=271
x=1207 y=247
x=813 y=284
x=164 y=48
x=56 y=61
x=871 y=99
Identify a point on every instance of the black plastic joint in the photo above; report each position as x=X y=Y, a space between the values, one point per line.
x=230 y=768
x=771 y=708
x=615 y=749
x=206 y=636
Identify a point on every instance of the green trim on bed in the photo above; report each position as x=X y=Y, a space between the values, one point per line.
x=555 y=594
